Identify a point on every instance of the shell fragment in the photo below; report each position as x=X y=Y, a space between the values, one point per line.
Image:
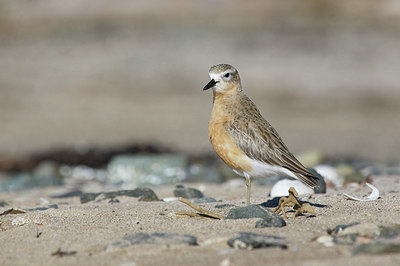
x=373 y=196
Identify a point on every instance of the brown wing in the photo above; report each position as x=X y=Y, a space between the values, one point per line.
x=260 y=141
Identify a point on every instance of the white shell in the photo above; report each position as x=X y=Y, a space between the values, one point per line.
x=373 y=196
x=281 y=188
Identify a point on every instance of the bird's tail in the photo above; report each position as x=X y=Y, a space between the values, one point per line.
x=309 y=179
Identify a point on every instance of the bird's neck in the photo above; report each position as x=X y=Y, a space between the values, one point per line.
x=225 y=104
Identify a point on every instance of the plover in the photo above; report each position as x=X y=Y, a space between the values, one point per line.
x=242 y=138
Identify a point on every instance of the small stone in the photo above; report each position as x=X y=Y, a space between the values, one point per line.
x=355 y=233
x=86 y=197
x=187 y=192
x=72 y=193
x=377 y=248
x=272 y=221
x=349 y=239
x=366 y=229
x=204 y=200
x=251 y=211
x=321 y=188
x=389 y=231
x=245 y=240
x=50 y=206
x=144 y=194
x=223 y=206
x=340 y=228
x=3 y=203
x=153 y=239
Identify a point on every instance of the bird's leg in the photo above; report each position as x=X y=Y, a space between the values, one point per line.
x=248 y=185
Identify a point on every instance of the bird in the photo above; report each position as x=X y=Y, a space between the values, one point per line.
x=243 y=138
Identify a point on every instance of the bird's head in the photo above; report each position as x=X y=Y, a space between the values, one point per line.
x=223 y=78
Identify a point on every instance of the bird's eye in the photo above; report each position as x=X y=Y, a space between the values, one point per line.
x=226 y=75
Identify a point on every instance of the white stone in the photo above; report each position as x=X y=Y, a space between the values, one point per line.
x=281 y=188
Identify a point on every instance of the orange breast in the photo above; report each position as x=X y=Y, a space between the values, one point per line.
x=226 y=148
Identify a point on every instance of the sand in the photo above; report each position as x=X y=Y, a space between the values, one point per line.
x=89 y=228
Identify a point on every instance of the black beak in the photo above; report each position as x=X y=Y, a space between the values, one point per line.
x=210 y=84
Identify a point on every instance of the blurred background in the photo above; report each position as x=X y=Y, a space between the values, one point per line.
x=96 y=73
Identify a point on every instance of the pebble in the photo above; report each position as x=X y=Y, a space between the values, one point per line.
x=204 y=200
x=389 y=231
x=341 y=227
x=355 y=233
x=366 y=229
x=50 y=206
x=223 y=206
x=144 y=194
x=72 y=193
x=246 y=240
x=187 y=192
x=321 y=188
x=272 y=221
x=251 y=211
x=377 y=248
x=153 y=239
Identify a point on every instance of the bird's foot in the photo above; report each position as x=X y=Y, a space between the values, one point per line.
x=293 y=202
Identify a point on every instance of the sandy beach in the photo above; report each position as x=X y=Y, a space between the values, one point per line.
x=86 y=232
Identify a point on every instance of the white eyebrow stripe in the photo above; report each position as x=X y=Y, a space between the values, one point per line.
x=214 y=76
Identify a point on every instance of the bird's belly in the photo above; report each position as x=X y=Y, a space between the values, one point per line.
x=262 y=169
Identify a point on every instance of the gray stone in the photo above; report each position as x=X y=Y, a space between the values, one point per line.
x=348 y=239
x=50 y=206
x=354 y=233
x=321 y=188
x=204 y=200
x=223 y=206
x=141 y=170
x=86 y=197
x=377 y=248
x=365 y=229
x=245 y=240
x=272 y=221
x=154 y=239
x=72 y=193
x=3 y=203
x=389 y=231
x=341 y=227
x=144 y=194
x=187 y=192
x=251 y=211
